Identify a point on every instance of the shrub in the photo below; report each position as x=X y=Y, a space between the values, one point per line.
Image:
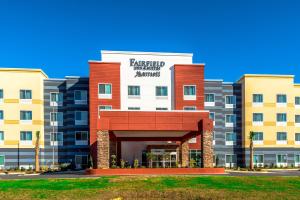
x=113 y=161
x=122 y=163
x=136 y=163
x=65 y=166
x=192 y=163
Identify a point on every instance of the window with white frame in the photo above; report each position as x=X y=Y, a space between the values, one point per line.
x=56 y=139
x=105 y=107
x=209 y=100
x=281 y=119
x=212 y=116
x=104 y=91
x=257 y=99
x=26 y=138
x=80 y=97
x=297 y=160
x=189 y=108
x=161 y=108
x=230 y=138
x=230 y=101
x=257 y=119
x=2 y=161
x=1 y=95
x=297 y=120
x=56 y=119
x=297 y=102
x=258 y=160
x=281 y=100
x=25 y=96
x=134 y=108
x=1 y=117
x=81 y=138
x=1 y=137
x=281 y=160
x=230 y=120
x=134 y=91
x=258 y=137
x=189 y=92
x=25 y=117
x=297 y=138
x=281 y=138
x=161 y=91
x=56 y=99
x=81 y=117
x=81 y=161
x=230 y=160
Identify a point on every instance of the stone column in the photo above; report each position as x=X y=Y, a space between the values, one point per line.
x=207 y=144
x=102 y=149
x=185 y=153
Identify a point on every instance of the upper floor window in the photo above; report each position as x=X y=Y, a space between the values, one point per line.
x=258 y=98
x=56 y=118
x=258 y=137
x=25 y=94
x=212 y=116
x=230 y=120
x=1 y=115
x=57 y=139
x=134 y=91
x=161 y=108
x=281 y=117
x=81 y=138
x=56 y=99
x=189 y=108
x=281 y=138
x=1 y=93
x=25 y=117
x=26 y=137
x=230 y=138
x=258 y=119
x=104 y=91
x=161 y=91
x=297 y=101
x=189 y=92
x=297 y=138
x=134 y=108
x=105 y=107
x=297 y=119
x=209 y=100
x=230 y=101
x=81 y=117
x=80 y=97
x=1 y=136
x=281 y=100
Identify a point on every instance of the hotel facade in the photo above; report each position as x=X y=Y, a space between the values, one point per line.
x=156 y=109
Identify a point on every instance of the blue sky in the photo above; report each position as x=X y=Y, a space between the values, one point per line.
x=232 y=37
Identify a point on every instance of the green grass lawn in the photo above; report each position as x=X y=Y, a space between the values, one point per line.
x=154 y=187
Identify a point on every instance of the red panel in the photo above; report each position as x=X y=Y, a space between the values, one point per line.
x=101 y=72
x=189 y=75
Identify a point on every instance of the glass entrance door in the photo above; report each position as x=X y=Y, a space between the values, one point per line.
x=164 y=158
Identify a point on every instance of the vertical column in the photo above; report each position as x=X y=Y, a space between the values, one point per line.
x=102 y=149
x=207 y=146
x=185 y=153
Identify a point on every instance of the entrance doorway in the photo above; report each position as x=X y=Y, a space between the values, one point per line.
x=164 y=158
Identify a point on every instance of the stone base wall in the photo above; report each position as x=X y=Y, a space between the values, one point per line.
x=103 y=149
x=185 y=153
x=207 y=149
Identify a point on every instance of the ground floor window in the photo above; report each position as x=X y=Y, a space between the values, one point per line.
x=230 y=160
x=297 y=160
x=196 y=157
x=258 y=160
x=2 y=160
x=281 y=160
x=81 y=161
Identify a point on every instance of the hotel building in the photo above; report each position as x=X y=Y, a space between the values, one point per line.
x=156 y=108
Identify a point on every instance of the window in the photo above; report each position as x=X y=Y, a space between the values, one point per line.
x=230 y=138
x=161 y=91
x=80 y=97
x=258 y=119
x=258 y=160
x=25 y=94
x=81 y=117
x=258 y=137
x=230 y=120
x=281 y=138
x=281 y=100
x=57 y=139
x=297 y=138
x=297 y=120
x=189 y=92
x=161 y=108
x=2 y=160
x=1 y=94
x=26 y=137
x=1 y=115
x=209 y=100
x=281 y=160
x=104 y=91
x=81 y=138
x=56 y=99
x=196 y=156
x=26 y=115
x=134 y=108
x=134 y=91
x=212 y=116
x=281 y=119
x=1 y=137
x=258 y=98
x=230 y=160
x=297 y=101
x=81 y=161
x=230 y=101
x=297 y=160
x=105 y=107
x=56 y=118
x=189 y=108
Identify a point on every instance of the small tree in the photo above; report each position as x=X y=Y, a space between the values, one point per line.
x=113 y=161
x=136 y=163
x=251 y=137
x=149 y=159
x=37 y=151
